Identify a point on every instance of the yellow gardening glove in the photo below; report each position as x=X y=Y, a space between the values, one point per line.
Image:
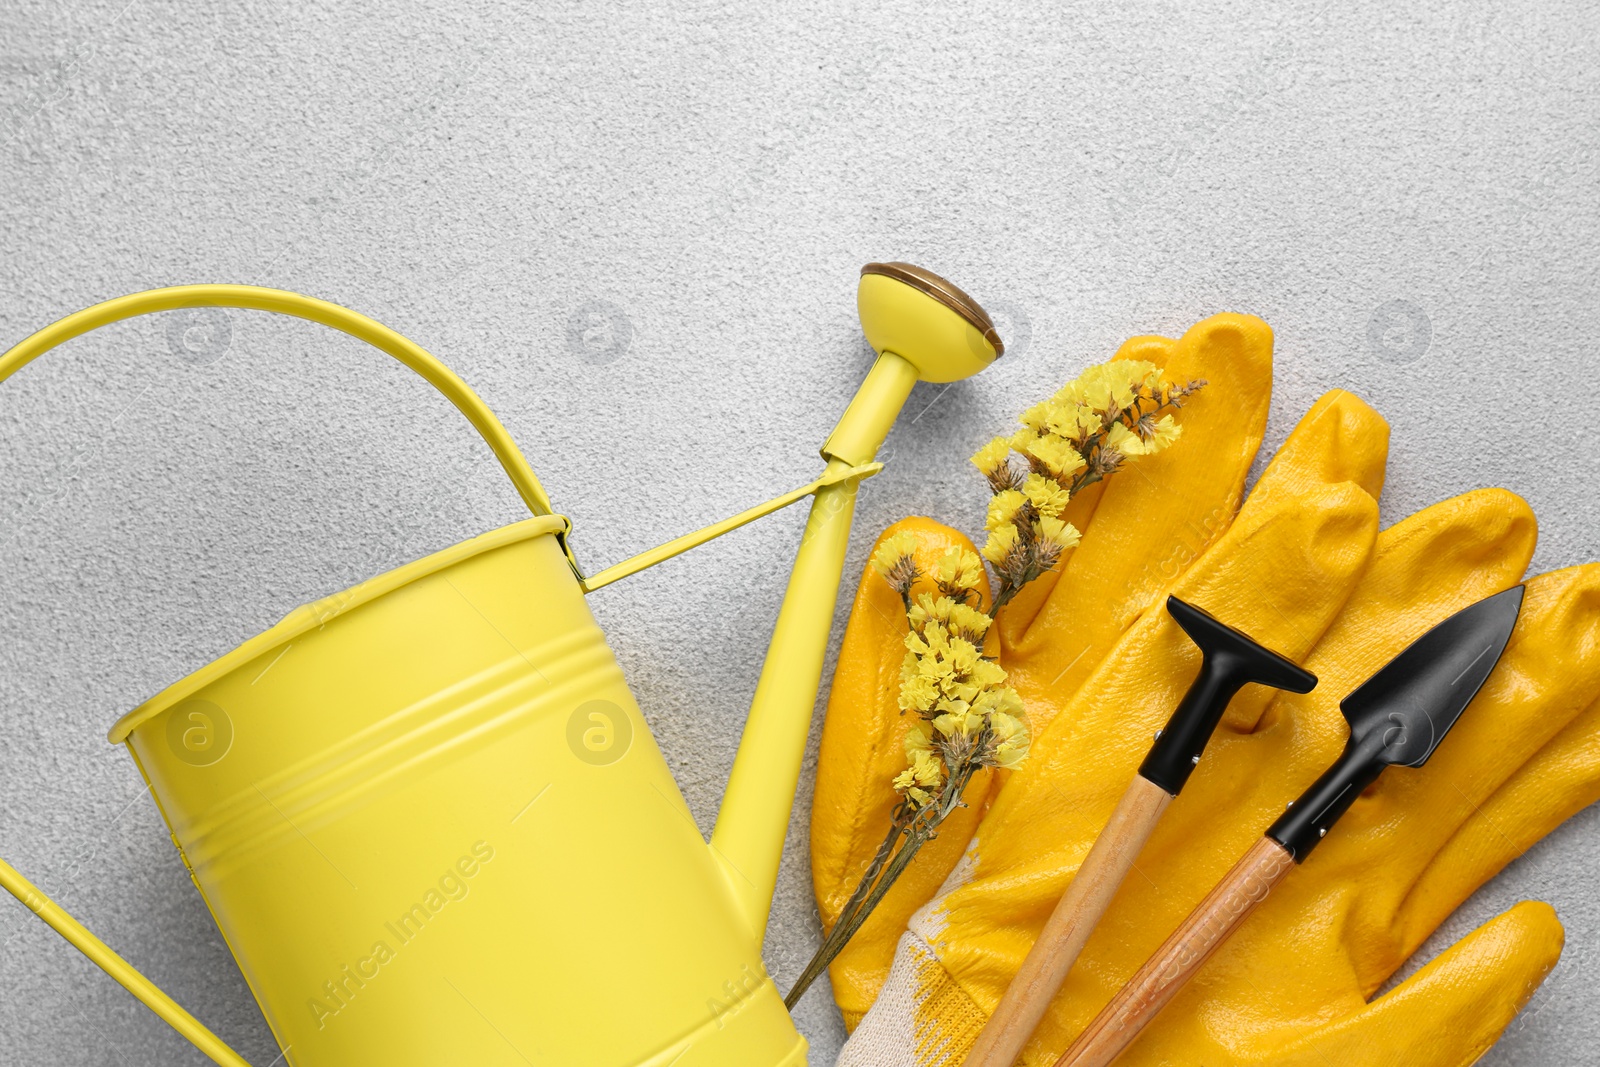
x=963 y=950
x=1140 y=530
x=1292 y=986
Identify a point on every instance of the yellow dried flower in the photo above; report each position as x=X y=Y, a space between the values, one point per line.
x=1000 y=544
x=1090 y=419
x=1000 y=699
x=918 y=694
x=927 y=608
x=1036 y=417
x=1122 y=393
x=1124 y=440
x=1058 y=457
x=892 y=550
x=959 y=723
x=958 y=697
x=992 y=456
x=1003 y=508
x=1063 y=535
x=1095 y=388
x=936 y=669
x=918 y=739
x=895 y=559
x=970 y=623
x=1163 y=434
x=963 y=654
x=1045 y=494
x=918 y=780
x=1011 y=740
x=958 y=571
x=986 y=674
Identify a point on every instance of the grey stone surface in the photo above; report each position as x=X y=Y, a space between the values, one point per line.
x=1407 y=193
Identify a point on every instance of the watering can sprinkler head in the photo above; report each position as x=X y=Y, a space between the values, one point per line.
x=923 y=328
x=925 y=320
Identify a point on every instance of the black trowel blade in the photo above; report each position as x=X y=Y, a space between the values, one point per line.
x=1418 y=696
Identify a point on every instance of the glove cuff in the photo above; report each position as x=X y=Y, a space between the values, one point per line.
x=922 y=1017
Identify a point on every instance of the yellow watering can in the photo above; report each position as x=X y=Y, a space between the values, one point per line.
x=426 y=813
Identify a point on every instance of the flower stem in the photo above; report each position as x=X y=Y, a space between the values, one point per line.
x=844 y=930
x=836 y=941
x=919 y=830
x=845 y=925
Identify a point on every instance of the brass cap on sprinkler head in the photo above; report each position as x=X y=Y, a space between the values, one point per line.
x=925 y=320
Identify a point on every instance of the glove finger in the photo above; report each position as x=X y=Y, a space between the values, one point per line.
x=1340 y=439
x=1453 y=1010
x=1424 y=568
x=863 y=739
x=1156 y=515
x=1281 y=570
x=1475 y=807
x=1562 y=780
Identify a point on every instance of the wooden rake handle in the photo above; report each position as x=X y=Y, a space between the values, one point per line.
x=1069 y=926
x=1183 y=954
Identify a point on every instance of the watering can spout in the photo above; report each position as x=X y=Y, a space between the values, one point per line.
x=923 y=328
x=750 y=830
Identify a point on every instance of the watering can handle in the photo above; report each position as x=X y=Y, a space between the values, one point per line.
x=256 y=298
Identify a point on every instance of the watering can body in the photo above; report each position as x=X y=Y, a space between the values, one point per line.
x=426 y=813
x=435 y=789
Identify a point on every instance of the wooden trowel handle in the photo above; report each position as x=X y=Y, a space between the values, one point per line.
x=1063 y=937
x=1184 y=953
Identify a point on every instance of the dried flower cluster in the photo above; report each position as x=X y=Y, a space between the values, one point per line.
x=969 y=717
x=1110 y=415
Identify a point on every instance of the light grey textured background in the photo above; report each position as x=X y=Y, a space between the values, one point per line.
x=636 y=231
